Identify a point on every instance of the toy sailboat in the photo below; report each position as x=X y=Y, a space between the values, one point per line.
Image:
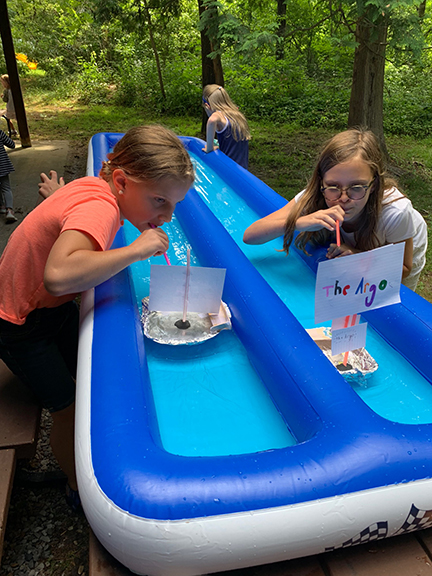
x=360 y=364
x=194 y=290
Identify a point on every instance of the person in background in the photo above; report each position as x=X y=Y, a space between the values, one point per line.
x=349 y=186
x=9 y=113
x=227 y=123
x=62 y=248
x=6 y=167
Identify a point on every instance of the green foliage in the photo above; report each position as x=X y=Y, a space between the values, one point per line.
x=93 y=81
x=294 y=96
x=54 y=34
x=137 y=85
x=99 y=52
x=183 y=88
x=408 y=102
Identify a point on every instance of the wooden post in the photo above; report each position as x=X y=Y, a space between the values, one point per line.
x=11 y=65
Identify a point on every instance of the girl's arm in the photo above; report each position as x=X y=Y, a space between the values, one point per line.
x=273 y=225
x=76 y=264
x=408 y=257
x=215 y=121
x=269 y=227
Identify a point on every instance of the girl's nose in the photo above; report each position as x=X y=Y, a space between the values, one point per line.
x=344 y=196
x=166 y=216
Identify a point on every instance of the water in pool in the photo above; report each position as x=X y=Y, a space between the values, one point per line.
x=396 y=390
x=208 y=398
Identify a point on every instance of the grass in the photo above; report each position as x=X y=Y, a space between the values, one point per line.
x=281 y=155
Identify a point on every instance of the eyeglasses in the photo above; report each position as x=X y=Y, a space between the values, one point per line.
x=355 y=192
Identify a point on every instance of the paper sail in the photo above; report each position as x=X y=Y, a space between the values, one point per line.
x=357 y=283
x=350 y=338
x=167 y=289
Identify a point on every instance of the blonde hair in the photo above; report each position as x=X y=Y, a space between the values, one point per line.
x=345 y=146
x=150 y=153
x=217 y=98
x=5 y=77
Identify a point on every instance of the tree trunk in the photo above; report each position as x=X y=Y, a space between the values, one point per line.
x=422 y=9
x=12 y=69
x=211 y=68
x=367 y=90
x=281 y=31
x=155 y=52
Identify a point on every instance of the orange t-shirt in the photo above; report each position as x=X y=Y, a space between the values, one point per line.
x=86 y=205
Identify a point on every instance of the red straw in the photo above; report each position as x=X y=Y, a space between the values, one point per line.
x=165 y=254
x=353 y=321
x=337 y=233
x=345 y=360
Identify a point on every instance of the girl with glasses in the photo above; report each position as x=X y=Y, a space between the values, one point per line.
x=350 y=185
x=227 y=123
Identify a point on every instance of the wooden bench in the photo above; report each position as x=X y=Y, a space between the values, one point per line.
x=406 y=555
x=19 y=428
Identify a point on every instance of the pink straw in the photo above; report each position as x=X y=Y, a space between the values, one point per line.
x=337 y=233
x=186 y=286
x=165 y=254
x=167 y=259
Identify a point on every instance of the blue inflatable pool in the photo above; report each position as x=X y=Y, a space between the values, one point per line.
x=251 y=447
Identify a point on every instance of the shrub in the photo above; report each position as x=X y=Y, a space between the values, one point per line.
x=407 y=101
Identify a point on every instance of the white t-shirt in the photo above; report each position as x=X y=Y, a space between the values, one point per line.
x=398 y=222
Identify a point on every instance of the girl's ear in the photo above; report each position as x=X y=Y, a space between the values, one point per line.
x=119 y=179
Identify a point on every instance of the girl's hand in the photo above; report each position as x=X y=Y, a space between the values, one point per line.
x=153 y=242
x=49 y=184
x=335 y=251
x=321 y=219
x=211 y=150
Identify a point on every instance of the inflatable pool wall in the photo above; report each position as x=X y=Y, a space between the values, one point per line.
x=352 y=476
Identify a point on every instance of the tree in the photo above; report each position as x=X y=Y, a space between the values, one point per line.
x=136 y=16
x=375 y=19
x=154 y=48
x=367 y=89
x=422 y=9
x=212 y=72
x=282 y=25
x=211 y=64
x=9 y=53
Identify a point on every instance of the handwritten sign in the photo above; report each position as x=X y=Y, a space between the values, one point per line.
x=357 y=283
x=167 y=288
x=347 y=339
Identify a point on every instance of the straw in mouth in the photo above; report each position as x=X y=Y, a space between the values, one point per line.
x=165 y=254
